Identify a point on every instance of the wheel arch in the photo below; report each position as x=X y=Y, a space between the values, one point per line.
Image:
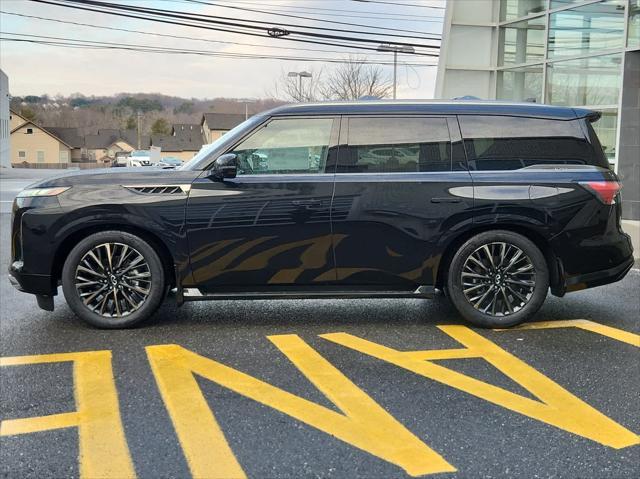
x=555 y=268
x=160 y=247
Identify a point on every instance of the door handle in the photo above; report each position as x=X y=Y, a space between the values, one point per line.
x=445 y=200
x=306 y=202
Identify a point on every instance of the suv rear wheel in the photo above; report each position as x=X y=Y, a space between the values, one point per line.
x=113 y=279
x=498 y=279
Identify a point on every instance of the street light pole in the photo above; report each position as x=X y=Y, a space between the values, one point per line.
x=386 y=47
x=395 y=72
x=300 y=75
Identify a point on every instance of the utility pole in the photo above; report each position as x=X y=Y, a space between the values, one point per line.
x=387 y=47
x=139 y=138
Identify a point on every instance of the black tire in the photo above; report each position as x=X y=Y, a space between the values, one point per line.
x=494 y=295
x=140 y=284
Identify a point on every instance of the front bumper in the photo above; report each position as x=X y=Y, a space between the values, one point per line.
x=39 y=284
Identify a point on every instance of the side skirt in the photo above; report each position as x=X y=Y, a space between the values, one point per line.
x=194 y=294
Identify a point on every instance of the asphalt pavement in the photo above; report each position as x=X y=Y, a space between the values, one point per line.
x=320 y=388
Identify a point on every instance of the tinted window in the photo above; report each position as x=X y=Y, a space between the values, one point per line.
x=510 y=143
x=386 y=145
x=291 y=145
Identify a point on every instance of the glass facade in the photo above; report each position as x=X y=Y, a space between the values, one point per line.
x=521 y=84
x=567 y=52
x=587 y=29
x=589 y=81
x=510 y=9
x=522 y=42
x=633 y=29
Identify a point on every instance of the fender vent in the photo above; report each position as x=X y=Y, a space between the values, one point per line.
x=158 y=189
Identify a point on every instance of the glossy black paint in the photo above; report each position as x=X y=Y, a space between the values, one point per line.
x=333 y=231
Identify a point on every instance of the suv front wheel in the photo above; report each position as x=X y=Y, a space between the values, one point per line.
x=498 y=279
x=113 y=279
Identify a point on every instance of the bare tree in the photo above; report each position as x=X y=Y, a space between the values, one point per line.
x=355 y=79
x=348 y=81
x=296 y=89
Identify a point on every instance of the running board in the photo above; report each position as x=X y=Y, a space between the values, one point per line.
x=194 y=294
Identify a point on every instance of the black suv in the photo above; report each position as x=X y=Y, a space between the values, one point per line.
x=492 y=203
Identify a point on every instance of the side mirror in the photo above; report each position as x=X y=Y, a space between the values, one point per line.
x=225 y=166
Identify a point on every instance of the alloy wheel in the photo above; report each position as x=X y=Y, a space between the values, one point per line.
x=498 y=279
x=113 y=280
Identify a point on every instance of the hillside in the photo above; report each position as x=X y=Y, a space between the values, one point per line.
x=90 y=113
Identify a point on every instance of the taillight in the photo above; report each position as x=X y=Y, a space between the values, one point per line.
x=605 y=191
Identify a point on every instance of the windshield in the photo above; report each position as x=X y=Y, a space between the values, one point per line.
x=200 y=160
x=139 y=153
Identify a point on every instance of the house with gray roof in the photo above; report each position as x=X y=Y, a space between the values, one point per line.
x=184 y=142
x=214 y=125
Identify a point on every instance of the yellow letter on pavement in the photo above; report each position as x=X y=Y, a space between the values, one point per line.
x=556 y=405
x=103 y=447
x=363 y=423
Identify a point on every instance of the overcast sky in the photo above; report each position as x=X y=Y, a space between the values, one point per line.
x=38 y=69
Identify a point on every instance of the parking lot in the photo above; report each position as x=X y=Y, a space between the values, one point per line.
x=320 y=388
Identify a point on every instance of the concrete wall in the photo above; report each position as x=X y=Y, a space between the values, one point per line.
x=5 y=128
x=31 y=143
x=468 y=50
x=629 y=141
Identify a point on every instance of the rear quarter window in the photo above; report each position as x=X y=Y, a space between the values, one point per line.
x=511 y=143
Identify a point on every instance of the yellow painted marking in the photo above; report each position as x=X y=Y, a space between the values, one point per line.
x=613 y=333
x=362 y=423
x=556 y=406
x=205 y=448
x=103 y=446
x=10 y=427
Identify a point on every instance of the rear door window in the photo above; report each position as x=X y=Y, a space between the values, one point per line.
x=395 y=145
x=511 y=143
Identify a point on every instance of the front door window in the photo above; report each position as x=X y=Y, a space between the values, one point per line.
x=286 y=146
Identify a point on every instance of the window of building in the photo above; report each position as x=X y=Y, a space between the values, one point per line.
x=512 y=9
x=387 y=145
x=64 y=156
x=520 y=84
x=286 y=146
x=563 y=3
x=40 y=156
x=587 y=81
x=587 y=29
x=511 y=143
x=22 y=155
x=29 y=131
x=606 y=128
x=522 y=42
x=633 y=28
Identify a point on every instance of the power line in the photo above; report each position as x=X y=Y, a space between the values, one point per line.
x=233 y=22
x=261 y=22
x=94 y=44
x=335 y=22
x=399 y=4
x=81 y=24
x=378 y=14
x=216 y=28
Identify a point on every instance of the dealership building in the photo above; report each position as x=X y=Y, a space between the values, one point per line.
x=562 y=52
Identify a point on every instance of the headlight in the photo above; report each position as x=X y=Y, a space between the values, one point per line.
x=32 y=192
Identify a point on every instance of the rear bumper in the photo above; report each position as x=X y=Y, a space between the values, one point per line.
x=599 y=278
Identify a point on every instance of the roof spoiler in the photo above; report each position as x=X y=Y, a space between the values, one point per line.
x=590 y=115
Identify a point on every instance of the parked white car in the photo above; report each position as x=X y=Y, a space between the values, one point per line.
x=140 y=158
